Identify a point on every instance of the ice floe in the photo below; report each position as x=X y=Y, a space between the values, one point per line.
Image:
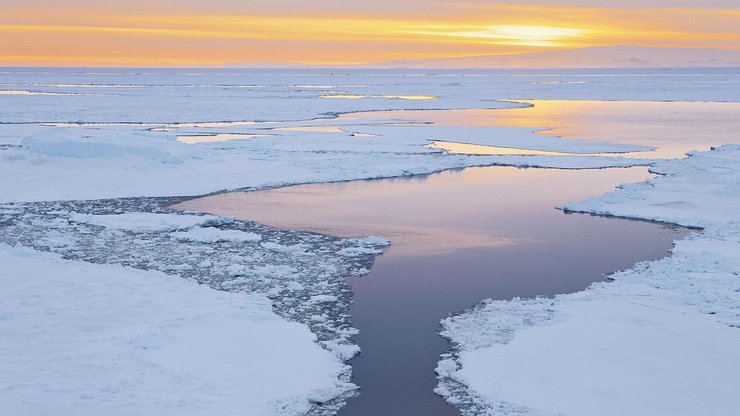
x=660 y=339
x=94 y=339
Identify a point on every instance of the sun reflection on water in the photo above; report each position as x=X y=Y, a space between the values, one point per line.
x=674 y=128
x=219 y=137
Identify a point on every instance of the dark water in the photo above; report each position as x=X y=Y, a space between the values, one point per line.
x=398 y=308
x=458 y=237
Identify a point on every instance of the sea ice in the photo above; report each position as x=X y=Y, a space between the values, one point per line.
x=214 y=235
x=128 y=334
x=90 y=339
x=661 y=339
x=144 y=221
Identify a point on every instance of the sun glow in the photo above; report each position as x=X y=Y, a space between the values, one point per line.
x=528 y=35
x=87 y=34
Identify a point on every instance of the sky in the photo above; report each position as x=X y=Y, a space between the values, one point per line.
x=332 y=32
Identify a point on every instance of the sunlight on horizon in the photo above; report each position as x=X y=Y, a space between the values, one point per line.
x=230 y=34
x=526 y=35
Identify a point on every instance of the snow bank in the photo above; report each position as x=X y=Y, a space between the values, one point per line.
x=92 y=339
x=639 y=354
x=702 y=190
x=661 y=339
x=46 y=144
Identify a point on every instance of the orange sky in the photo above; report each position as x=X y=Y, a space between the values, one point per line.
x=186 y=33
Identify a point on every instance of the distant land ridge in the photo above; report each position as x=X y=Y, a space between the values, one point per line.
x=591 y=57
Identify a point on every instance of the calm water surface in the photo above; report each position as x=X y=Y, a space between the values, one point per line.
x=674 y=128
x=458 y=237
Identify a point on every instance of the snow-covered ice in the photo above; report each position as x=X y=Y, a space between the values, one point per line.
x=302 y=274
x=65 y=162
x=661 y=339
x=54 y=147
x=91 y=339
x=222 y=252
x=143 y=221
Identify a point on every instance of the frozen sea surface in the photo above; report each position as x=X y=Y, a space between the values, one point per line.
x=673 y=128
x=91 y=339
x=456 y=237
x=299 y=275
x=663 y=334
x=176 y=95
x=110 y=142
x=129 y=126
